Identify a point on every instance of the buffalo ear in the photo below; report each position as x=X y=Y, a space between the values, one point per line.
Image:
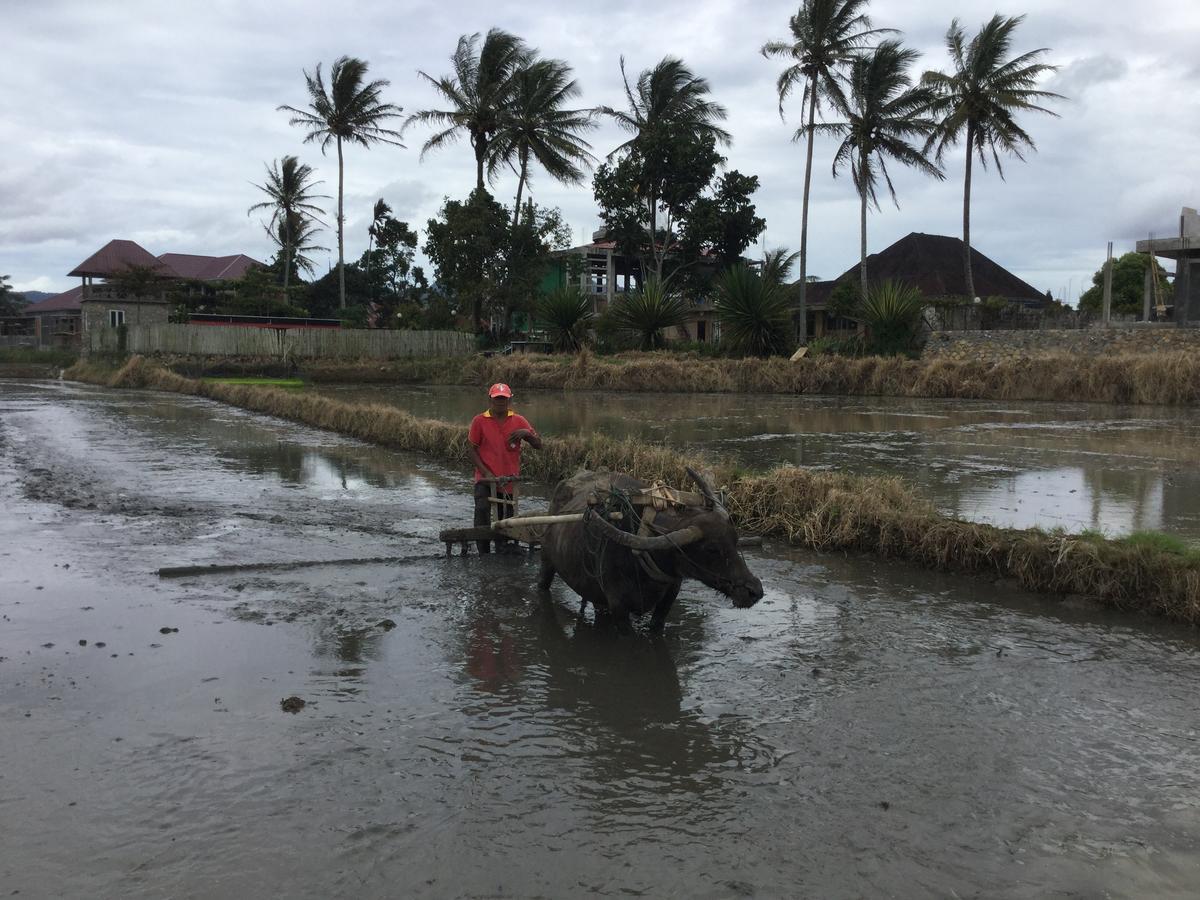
x=710 y=497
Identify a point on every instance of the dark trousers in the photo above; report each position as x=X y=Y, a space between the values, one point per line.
x=482 y=511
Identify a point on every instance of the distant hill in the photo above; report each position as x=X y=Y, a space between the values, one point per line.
x=36 y=296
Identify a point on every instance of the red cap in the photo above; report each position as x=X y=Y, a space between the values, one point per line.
x=500 y=390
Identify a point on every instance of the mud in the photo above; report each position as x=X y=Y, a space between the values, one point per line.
x=864 y=730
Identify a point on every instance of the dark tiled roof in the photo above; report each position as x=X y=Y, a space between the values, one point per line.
x=67 y=301
x=117 y=256
x=934 y=264
x=208 y=268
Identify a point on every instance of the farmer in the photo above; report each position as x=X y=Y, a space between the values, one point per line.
x=495 y=436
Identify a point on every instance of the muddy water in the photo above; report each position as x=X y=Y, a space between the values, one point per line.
x=1075 y=466
x=865 y=730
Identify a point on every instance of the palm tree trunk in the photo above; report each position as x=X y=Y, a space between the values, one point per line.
x=480 y=146
x=370 y=247
x=341 y=234
x=863 y=242
x=802 y=330
x=967 y=217
x=287 y=251
x=658 y=260
x=520 y=187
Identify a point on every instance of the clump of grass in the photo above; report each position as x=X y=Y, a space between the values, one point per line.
x=822 y=510
x=263 y=382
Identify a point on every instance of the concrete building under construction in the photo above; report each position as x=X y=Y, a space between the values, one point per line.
x=1185 y=250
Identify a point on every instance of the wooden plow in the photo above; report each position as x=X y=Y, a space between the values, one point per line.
x=508 y=524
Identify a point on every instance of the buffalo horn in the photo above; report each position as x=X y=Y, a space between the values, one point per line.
x=679 y=538
x=710 y=498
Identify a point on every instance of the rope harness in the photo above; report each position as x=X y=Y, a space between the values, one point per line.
x=615 y=500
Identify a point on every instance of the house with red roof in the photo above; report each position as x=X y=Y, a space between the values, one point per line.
x=119 y=299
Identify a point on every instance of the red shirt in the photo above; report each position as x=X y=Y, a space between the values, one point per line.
x=490 y=437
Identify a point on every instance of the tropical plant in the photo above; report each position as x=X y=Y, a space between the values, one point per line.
x=883 y=111
x=536 y=124
x=649 y=312
x=567 y=313
x=892 y=312
x=978 y=102
x=352 y=111
x=478 y=94
x=295 y=239
x=289 y=187
x=777 y=265
x=754 y=311
x=379 y=215
x=826 y=36
x=669 y=115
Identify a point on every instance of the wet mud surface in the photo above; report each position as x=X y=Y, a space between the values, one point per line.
x=1116 y=469
x=864 y=730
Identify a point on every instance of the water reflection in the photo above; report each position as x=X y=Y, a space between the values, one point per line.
x=1076 y=466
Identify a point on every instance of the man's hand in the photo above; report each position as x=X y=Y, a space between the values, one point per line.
x=524 y=434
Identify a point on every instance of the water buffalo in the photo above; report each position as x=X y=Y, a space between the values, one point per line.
x=630 y=574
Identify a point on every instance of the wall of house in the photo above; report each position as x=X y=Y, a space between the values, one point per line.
x=995 y=345
x=95 y=313
x=296 y=343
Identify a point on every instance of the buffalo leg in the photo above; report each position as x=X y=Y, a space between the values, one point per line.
x=546 y=578
x=663 y=608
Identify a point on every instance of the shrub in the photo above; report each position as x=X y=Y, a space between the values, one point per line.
x=755 y=313
x=567 y=314
x=892 y=311
x=649 y=312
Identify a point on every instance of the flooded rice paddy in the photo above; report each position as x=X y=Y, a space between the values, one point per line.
x=1076 y=466
x=865 y=730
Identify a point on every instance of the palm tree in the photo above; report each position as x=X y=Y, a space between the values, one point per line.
x=668 y=101
x=883 y=111
x=379 y=215
x=351 y=111
x=826 y=36
x=478 y=93
x=978 y=101
x=290 y=189
x=295 y=237
x=536 y=125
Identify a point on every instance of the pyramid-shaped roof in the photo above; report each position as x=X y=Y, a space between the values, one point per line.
x=116 y=257
x=934 y=264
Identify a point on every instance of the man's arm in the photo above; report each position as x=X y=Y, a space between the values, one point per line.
x=527 y=434
x=480 y=464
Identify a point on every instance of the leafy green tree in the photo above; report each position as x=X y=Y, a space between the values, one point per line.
x=290 y=191
x=1128 y=285
x=826 y=37
x=671 y=150
x=566 y=313
x=537 y=126
x=466 y=243
x=478 y=96
x=257 y=294
x=724 y=223
x=351 y=111
x=650 y=312
x=11 y=302
x=883 y=112
x=754 y=310
x=978 y=102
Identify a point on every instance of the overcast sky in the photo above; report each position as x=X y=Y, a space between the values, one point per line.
x=151 y=121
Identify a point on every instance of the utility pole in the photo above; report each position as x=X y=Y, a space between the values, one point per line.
x=1108 y=286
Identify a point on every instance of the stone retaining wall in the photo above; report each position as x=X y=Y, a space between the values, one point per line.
x=993 y=345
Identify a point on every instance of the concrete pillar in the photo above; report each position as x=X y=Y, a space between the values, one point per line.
x=610 y=277
x=1146 y=289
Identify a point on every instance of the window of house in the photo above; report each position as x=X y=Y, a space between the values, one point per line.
x=116 y=318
